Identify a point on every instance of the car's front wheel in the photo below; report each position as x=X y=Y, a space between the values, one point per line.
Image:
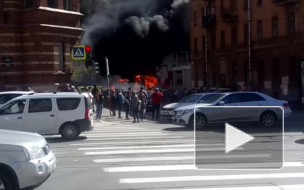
x=5 y=182
x=69 y=131
x=268 y=119
x=200 y=121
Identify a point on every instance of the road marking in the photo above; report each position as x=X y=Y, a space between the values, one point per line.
x=178 y=141
x=173 y=158
x=136 y=138
x=277 y=187
x=130 y=135
x=153 y=151
x=212 y=178
x=146 y=147
x=123 y=134
x=293 y=164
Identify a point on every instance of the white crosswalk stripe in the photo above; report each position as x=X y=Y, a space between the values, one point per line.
x=151 y=156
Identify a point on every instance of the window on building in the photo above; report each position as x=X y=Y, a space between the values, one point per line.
x=52 y=3
x=233 y=6
x=261 y=71
x=291 y=23
x=245 y=3
x=203 y=43
x=179 y=80
x=67 y=5
x=194 y=18
x=213 y=40
x=195 y=45
x=275 y=28
x=234 y=36
x=28 y=3
x=61 y=55
x=223 y=41
x=246 y=72
x=259 y=3
x=260 y=30
x=235 y=73
x=246 y=33
x=275 y=1
x=276 y=71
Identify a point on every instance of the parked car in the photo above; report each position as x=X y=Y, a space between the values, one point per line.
x=167 y=110
x=7 y=96
x=219 y=90
x=26 y=160
x=67 y=114
x=266 y=116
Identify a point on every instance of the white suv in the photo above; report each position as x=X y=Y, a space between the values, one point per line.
x=67 y=114
x=25 y=160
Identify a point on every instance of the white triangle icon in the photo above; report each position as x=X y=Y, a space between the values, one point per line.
x=78 y=53
x=235 y=138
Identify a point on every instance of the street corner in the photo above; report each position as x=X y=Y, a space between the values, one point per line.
x=244 y=138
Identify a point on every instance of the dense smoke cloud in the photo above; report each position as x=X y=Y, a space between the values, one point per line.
x=106 y=16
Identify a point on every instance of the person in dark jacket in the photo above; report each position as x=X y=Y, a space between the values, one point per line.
x=113 y=103
x=94 y=91
x=143 y=98
x=120 y=103
x=99 y=104
x=135 y=104
x=127 y=102
x=156 y=101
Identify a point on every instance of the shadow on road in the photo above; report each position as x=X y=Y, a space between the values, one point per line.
x=60 y=140
x=301 y=141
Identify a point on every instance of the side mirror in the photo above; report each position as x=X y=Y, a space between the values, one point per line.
x=221 y=103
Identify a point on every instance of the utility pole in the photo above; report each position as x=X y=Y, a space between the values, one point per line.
x=249 y=46
x=108 y=75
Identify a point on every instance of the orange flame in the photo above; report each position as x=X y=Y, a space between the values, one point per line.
x=149 y=81
x=122 y=80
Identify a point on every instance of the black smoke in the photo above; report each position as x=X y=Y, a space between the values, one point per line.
x=135 y=34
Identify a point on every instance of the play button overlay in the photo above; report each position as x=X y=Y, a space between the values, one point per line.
x=235 y=138
x=239 y=138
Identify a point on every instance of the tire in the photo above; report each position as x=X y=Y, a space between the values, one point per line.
x=268 y=119
x=69 y=131
x=6 y=183
x=201 y=121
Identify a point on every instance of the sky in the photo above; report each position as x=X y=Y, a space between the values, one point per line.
x=135 y=35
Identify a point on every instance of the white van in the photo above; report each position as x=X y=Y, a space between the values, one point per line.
x=67 y=114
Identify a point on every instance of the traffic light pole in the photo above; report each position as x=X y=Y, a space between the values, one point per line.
x=108 y=75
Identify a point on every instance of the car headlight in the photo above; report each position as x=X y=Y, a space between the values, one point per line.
x=33 y=152
x=182 y=112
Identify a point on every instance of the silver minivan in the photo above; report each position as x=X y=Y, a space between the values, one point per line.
x=25 y=160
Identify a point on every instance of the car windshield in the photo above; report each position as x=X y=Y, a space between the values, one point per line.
x=190 y=99
x=208 y=99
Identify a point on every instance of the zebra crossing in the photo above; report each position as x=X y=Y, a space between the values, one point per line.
x=142 y=157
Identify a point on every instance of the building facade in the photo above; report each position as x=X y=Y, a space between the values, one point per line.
x=36 y=37
x=248 y=43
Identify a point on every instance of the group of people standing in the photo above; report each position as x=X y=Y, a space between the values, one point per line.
x=131 y=101
x=135 y=102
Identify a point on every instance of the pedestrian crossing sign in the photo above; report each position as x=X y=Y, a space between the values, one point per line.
x=78 y=53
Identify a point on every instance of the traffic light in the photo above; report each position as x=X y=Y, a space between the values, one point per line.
x=97 y=68
x=88 y=61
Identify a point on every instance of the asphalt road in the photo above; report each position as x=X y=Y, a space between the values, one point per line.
x=121 y=155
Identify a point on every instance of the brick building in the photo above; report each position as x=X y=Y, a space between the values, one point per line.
x=36 y=37
x=237 y=43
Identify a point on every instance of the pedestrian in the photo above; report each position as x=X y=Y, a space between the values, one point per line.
x=120 y=102
x=99 y=104
x=156 y=101
x=94 y=91
x=135 y=106
x=127 y=102
x=89 y=91
x=143 y=99
x=113 y=103
x=175 y=97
